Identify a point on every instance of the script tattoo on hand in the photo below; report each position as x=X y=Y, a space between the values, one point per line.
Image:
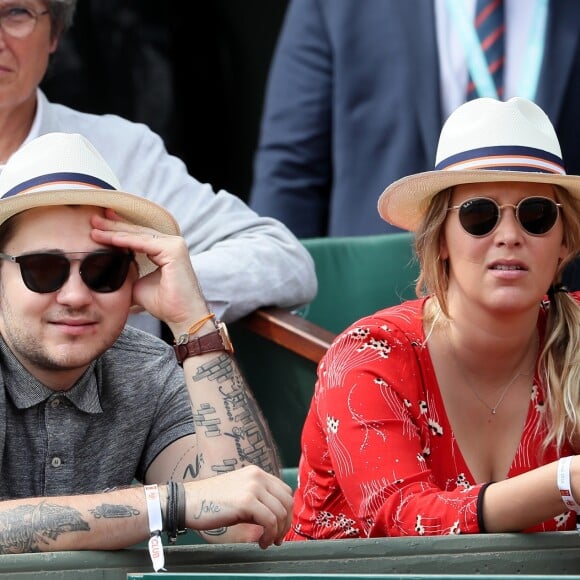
x=25 y=528
x=210 y=507
x=206 y=508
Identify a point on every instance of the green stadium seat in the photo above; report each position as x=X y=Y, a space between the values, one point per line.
x=278 y=351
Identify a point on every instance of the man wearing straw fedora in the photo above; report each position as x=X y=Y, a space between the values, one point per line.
x=457 y=412
x=88 y=405
x=265 y=263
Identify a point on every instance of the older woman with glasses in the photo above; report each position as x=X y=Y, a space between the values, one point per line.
x=457 y=412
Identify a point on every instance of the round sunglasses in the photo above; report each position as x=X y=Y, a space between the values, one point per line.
x=479 y=216
x=44 y=272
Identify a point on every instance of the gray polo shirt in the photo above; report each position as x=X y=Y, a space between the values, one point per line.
x=103 y=432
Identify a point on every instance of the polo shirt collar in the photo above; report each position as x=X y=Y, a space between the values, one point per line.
x=26 y=391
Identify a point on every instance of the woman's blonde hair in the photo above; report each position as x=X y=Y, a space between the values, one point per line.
x=558 y=361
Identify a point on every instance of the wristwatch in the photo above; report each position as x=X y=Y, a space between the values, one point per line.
x=190 y=345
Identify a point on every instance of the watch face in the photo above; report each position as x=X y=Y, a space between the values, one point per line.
x=223 y=330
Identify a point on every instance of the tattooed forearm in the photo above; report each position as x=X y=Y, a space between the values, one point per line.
x=192 y=471
x=206 y=419
x=25 y=528
x=254 y=442
x=108 y=510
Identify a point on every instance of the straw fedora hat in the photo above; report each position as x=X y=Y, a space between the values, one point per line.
x=483 y=140
x=66 y=169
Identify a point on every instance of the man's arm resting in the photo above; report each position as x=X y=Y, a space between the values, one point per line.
x=104 y=521
x=231 y=432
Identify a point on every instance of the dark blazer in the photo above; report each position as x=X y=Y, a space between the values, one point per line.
x=353 y=103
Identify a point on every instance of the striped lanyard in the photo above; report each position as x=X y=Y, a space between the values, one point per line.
x=528 y=81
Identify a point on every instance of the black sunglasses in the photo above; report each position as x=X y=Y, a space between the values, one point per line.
x=102 y=271
x=479 y=216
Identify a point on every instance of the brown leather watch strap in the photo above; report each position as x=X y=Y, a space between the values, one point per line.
x=211 y=342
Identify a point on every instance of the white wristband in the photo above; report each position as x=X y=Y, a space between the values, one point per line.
x=566 y=489
x=155 y=526
x=564 y=484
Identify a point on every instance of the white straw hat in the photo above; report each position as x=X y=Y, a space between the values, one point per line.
x=66 y=169
x=483 y=140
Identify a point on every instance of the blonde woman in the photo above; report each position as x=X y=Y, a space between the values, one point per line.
x=457 y=412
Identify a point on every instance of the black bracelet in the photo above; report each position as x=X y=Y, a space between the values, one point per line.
x=171 y=513
x=480 y=522
x=180 y=509
x=175 y=512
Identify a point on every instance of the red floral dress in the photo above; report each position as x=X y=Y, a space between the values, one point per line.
x=379 y=457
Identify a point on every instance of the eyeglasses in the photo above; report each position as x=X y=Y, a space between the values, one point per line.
x=480 y=216
x=102 y=271
x=19 y=21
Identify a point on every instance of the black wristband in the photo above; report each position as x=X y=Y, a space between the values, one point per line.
x=480 y=521
x=180 y=508
x=171 y=513
x=175 y=512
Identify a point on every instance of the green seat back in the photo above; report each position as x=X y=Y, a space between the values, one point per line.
x=356 y=276
x=359 y=275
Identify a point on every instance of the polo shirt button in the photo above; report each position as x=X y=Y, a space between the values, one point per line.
x=56 y=462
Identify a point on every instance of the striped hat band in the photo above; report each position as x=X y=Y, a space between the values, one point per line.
x=504 y=158
x=483 y=141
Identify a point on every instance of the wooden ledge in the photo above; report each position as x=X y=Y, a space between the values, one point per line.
x=290 y=331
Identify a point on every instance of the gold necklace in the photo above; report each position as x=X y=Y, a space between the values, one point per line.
x=504 y=390
x=493 y=410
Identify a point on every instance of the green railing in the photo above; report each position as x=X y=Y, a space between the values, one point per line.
x=548 y=555
x=274 y=576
